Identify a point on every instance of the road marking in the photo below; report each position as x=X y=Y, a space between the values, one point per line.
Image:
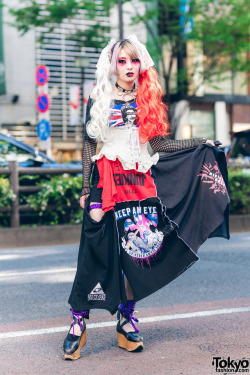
x=9 y=256
x=5 y=275
x=151 y=319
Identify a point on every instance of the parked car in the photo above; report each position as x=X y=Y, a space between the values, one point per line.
x=27 y=156
x=239 y=153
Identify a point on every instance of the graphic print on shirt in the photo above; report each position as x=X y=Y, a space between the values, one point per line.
x=210 y=174
x=140 y=236
x=129 y=115
x=121 y=114
x=132 y=185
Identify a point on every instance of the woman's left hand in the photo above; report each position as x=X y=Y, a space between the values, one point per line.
x=210 y=142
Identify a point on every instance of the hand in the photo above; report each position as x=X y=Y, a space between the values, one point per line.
x=210 y=142
x=83 y=199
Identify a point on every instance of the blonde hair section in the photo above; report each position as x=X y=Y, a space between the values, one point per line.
x=102 y=92
x=98 y=126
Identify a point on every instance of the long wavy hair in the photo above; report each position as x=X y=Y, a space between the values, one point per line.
x=101 y=93
x=151 y=109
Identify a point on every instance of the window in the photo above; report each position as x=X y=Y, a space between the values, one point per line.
x=202 y=124
x=10 y=152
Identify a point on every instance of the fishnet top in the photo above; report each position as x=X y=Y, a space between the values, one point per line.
x=89 y=150
x=158 y=144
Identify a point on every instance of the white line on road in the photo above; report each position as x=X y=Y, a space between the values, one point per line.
x=151 y=319
x=5 y=275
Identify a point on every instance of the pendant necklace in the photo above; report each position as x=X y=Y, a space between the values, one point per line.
x=124 y=92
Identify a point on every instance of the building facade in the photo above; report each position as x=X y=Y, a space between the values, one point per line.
x=209 y=113
x=64 y=58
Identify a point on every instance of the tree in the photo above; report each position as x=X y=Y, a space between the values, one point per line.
x=218 y=30
x=52 y=13
x=215 y=30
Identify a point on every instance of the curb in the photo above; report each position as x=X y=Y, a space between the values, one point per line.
x=70 y=234
x=239 y=223
x=45 y=235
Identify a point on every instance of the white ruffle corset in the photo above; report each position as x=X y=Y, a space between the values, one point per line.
x=123 y=143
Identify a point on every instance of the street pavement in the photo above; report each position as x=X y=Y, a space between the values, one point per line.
x=205 y=313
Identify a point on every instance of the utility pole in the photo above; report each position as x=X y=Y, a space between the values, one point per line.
x=120 y=19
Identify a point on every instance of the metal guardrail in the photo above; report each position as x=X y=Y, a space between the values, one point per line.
x=13 y=172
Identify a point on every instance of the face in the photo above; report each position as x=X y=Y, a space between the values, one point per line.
x=128 y=114
x=131 y=116
x=127 y=67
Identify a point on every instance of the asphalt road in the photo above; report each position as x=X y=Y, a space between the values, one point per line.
x=205 y=313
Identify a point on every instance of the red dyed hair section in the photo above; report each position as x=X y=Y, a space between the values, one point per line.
x=151 y=110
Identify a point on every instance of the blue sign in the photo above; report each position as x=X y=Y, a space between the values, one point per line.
x=43 y=129
x=186 y=20
x=42 y=103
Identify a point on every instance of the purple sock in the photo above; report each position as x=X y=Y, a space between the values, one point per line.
x=127 y=310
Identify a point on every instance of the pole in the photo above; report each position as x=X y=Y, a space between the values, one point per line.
x=120 y=19
x=14 y=183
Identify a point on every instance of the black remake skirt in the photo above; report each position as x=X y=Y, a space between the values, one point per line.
x=152 y=241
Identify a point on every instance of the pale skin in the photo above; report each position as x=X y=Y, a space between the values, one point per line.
x=127 y=72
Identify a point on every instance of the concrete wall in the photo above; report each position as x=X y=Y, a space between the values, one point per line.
x=19 y=56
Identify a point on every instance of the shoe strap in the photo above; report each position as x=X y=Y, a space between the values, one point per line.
x=127 y=310
x=125 y=321
x=80 y=317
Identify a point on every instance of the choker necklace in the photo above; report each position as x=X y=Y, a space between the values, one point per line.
x=124 y=92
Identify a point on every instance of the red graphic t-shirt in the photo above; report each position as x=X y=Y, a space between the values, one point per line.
x=120 y=185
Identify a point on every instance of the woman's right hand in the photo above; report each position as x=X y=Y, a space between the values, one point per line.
x=83 y=199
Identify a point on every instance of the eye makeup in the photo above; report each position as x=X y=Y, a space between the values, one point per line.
x=123 y=60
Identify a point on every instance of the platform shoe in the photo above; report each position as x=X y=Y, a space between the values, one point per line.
x=131 y=341
x=73 y=344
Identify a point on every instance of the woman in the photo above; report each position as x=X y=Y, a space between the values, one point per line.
x=122 y=117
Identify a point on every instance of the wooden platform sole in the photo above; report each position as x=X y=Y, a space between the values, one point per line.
x=76 y=354
x=130 y=346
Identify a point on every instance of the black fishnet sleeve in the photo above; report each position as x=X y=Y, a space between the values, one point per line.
x=89 y=150
x=160 y=144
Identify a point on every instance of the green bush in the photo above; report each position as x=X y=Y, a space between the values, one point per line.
x=6 y=197
x=58 y=201
x=6 y=193
x=239 y=191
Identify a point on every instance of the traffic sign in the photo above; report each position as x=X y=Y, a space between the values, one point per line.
x=43 y=129
x=42 y=75
x=42 y=103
